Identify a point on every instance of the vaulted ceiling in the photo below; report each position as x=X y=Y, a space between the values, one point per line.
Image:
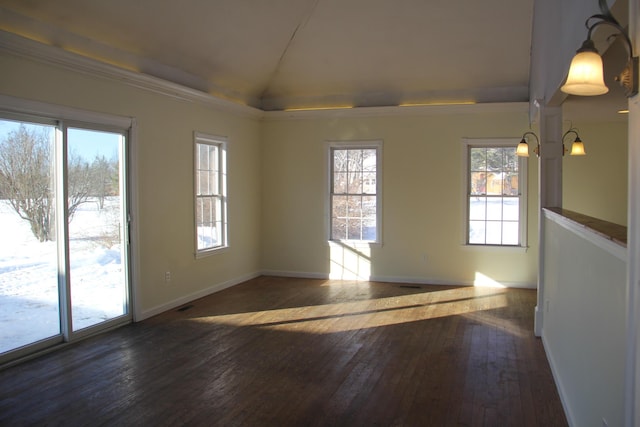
x=283 y=54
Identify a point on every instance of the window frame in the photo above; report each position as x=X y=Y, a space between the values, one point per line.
x=354 y=145
x=221 y=143
x=468 y=144
x=62 y=118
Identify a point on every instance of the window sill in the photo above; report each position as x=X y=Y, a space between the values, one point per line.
x=354 y=244
x=495 y=248
x=210 y=252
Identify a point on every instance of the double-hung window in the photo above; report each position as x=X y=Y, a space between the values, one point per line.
x=355 y=184
x=495 y=193
x=210 y=193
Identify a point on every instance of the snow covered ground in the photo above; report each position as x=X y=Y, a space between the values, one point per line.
x=29 y=297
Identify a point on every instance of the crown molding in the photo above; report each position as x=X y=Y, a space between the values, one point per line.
x=419 y=110
x=52 y=55
x=30 y=49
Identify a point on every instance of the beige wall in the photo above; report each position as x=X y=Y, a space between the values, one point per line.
x=277 y=189
x=423 y=200
x=164 y=167
x=596 y=184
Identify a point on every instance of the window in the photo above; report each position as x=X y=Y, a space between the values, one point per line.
x=496 y=196
x=355 y=191
x=65 y=225
x=210 y=193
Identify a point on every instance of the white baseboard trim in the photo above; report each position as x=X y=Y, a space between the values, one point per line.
x=445 y=282
x=418 y=281
x=537 y=321
x=303 y=275
x=300 y=274
x=392 y=279
x=558 y=382
x=194 y=296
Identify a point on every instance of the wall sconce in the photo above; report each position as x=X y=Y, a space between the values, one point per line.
x=523 y=148
x=585 y=73
x=577 y=148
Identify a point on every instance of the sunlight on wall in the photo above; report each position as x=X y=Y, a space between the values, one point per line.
x=349 y=262
x=483 y=281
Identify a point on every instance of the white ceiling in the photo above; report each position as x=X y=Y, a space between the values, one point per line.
x=278 y=54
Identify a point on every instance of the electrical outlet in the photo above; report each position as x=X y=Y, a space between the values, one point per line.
x=167 y=276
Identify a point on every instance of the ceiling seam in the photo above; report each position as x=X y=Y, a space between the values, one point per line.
x=276 y=69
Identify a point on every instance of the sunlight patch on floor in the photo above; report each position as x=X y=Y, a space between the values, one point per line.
x=370 y=313
x=489 y=319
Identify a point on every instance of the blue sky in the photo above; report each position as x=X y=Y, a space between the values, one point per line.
x=90 y=143
x=86 y=143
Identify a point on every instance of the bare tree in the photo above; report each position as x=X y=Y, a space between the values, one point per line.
x=353 y=193
x=25 y=178
x=79 y=183
x=104 y=179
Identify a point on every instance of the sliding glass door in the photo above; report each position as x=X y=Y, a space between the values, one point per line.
x=63 y=221
x=96 y=219
x=29 y=294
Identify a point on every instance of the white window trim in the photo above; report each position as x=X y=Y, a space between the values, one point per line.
x=62 y=117
x=524 y=197
x=222 y=141
x=376 y=144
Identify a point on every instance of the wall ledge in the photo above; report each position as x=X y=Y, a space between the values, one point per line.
x=606 y=235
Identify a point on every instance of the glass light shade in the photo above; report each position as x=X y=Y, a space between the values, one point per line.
x=577 y=149
x=585 y=75
x=523 y=149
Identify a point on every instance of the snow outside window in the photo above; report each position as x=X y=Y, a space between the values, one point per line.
x=355 y=192
x=496 y=202
x=210 y=193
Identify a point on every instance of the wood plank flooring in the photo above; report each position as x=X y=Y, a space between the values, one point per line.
x=300 y=352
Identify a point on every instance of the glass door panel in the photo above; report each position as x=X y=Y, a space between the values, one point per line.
x=29 y=297
x=63 y=267
x=96 y=209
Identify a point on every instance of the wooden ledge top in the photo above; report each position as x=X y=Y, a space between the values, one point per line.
x=608 y=230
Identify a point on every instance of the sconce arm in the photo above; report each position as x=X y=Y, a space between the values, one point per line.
x=531 y=133
x=574 y=131
x=608 y=20
x=628 y=78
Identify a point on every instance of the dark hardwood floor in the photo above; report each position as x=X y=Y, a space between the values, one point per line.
x=283 y=351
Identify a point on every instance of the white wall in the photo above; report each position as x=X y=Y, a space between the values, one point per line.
x=277 y=187
x=596 y=184
x=423 y=196
x=584 y=323
x=164 y=170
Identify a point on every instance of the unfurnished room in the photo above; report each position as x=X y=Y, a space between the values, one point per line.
x=320 y=213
